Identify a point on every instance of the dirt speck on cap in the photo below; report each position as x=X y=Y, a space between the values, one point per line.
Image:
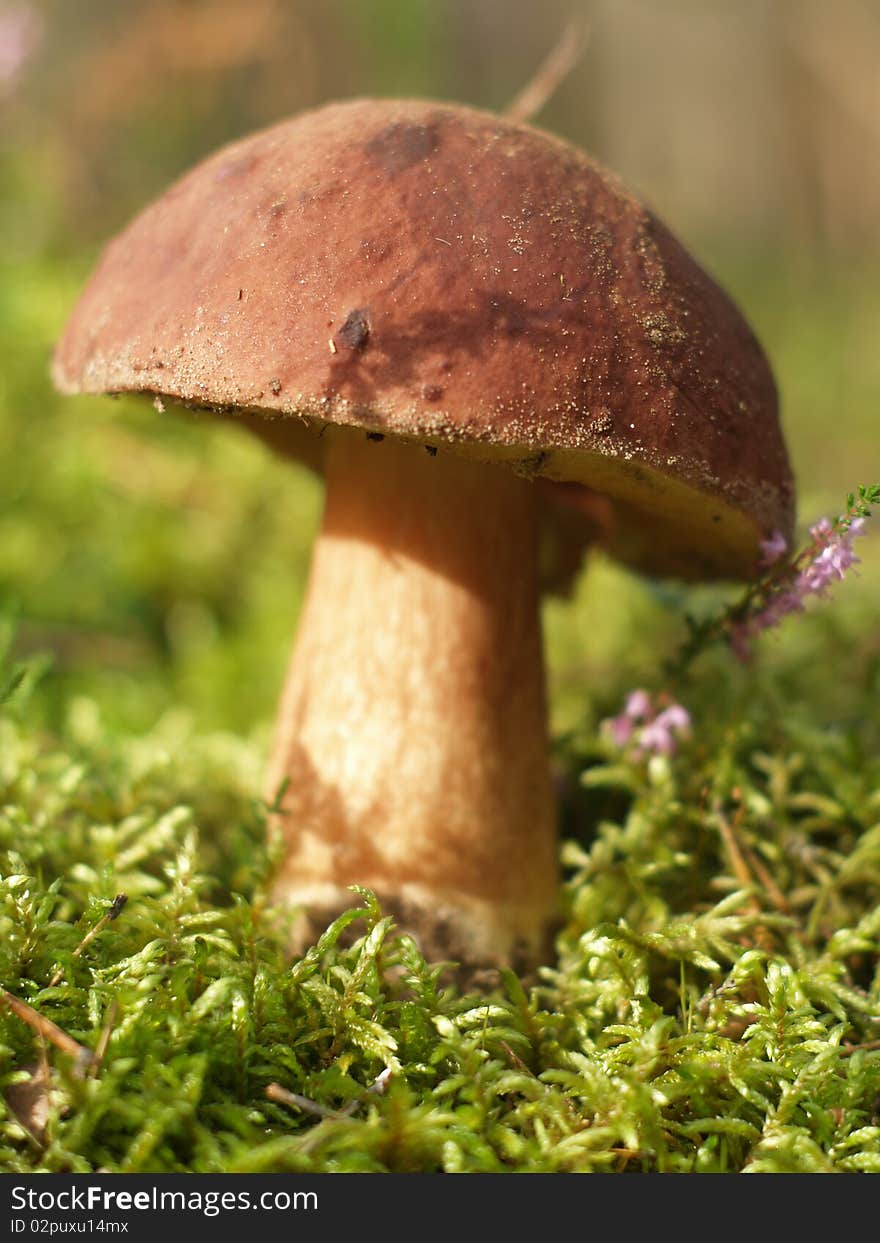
x=355 y=331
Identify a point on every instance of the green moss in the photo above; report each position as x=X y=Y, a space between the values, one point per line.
x=690 y=1024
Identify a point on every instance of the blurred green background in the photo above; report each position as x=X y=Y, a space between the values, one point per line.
x=160 y=564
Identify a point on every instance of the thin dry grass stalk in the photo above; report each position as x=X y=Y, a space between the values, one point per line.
x=557 y=65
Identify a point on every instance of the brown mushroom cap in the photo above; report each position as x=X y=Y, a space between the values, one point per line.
x=441 y=274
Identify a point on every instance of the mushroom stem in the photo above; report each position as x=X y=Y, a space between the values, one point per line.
x=412 y=729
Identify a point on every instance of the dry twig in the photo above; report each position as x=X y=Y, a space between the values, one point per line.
x=556 y=66
x=115 y=909
x=275 y=1092
x=48 y=1030
x=742 y=872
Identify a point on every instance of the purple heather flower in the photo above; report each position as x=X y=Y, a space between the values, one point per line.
x=638 y=705
x=772 y=549
x=830 y=564
x=637 y=708
x=675 y=718
x=655 y=740
x=653 y=732
x=620 y=728
x=660 y=736
x=831 y=560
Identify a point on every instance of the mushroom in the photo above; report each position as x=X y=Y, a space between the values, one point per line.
x=489 y=347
